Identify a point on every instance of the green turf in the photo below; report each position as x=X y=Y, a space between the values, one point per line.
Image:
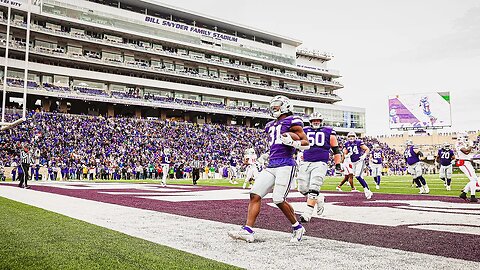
x=389 y=184
x=32 y=238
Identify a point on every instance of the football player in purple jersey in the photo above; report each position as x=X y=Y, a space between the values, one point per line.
x=166 y=160
x=376 y=164
x=313 y=168
x=358 y=151
x=413 y=156
x=280 y=170
x=446 y=158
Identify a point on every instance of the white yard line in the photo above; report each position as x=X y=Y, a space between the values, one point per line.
x=209 y=238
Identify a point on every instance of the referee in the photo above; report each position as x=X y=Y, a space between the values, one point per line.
x=26 y=160
x=196 y=170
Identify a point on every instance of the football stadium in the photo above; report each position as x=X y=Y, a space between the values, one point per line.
x=141 y=135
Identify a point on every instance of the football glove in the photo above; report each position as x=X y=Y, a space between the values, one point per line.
x=287 y=140
x=338 y=168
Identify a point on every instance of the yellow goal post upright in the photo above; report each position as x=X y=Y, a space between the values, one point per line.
x=4 y=125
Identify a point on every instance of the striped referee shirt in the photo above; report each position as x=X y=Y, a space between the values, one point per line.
x=25 y=157
x=196 y=164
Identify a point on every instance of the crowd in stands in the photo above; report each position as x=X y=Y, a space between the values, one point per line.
x=135 y=94
x=92 y=147
x=89 y=55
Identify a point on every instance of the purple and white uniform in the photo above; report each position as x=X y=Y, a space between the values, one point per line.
x=282 y=166
x=166 y=160
x=355 y=151
x=413 y=161
x=232 y=168
x=376 y=163
x=446 y=167
x=313 y=169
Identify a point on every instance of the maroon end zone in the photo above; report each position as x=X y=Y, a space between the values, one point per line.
x=403 y=237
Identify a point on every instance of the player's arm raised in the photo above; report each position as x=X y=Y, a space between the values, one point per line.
x=302 y=144
x=337 y=154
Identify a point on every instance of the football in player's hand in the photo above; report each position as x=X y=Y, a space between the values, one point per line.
x=294 y=136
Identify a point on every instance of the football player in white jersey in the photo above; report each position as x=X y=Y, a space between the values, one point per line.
x=347 y=167
x=251 y=171
x=464 y=153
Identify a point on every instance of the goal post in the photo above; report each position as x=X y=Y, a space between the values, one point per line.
x=4 y=125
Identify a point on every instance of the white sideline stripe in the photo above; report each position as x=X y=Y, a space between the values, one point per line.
x=209 y=238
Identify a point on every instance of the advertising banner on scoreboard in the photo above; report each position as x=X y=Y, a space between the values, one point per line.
x=431 y=110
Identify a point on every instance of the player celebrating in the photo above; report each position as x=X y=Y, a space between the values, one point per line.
x=425 y=104
x=280 y=170
x=166 y=160
x=313 y=169
x=464 y=152
x=376 y=164
x=446 y=158
x=413 y=155
x=251 y=170
x=358 y=151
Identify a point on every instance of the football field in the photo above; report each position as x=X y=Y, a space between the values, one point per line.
x=141 y=225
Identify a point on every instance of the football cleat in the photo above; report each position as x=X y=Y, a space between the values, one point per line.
x=320 y=206
x=463 y=195
x=338 y=189
x=449 y=188
x=426 y=189
x=304 y=218
x=298 y=233
x=355 y=190
x=473 y=199
x=368 y=194
x=242 y=234
x=377 y=186
x=422 y=190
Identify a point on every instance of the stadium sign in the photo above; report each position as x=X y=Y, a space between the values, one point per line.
x=188 y=28
x=13 y=3
x=419 y=111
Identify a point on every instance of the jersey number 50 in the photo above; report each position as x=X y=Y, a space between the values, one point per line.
x=316 y=138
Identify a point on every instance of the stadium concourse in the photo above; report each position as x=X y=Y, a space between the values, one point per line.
x=121 y=148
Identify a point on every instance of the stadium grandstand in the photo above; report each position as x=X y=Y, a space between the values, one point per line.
x=149 y=60
x=130 y=148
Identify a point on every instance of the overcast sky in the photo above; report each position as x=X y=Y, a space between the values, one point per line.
x=381 y=47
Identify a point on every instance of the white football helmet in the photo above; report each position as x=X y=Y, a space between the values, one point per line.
x=250 y=151
x=409 y=143
x=446 y=146
x=351 y=136
x=376 y=146
x=166 y=151
x=316 y=116
x=282 y=102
